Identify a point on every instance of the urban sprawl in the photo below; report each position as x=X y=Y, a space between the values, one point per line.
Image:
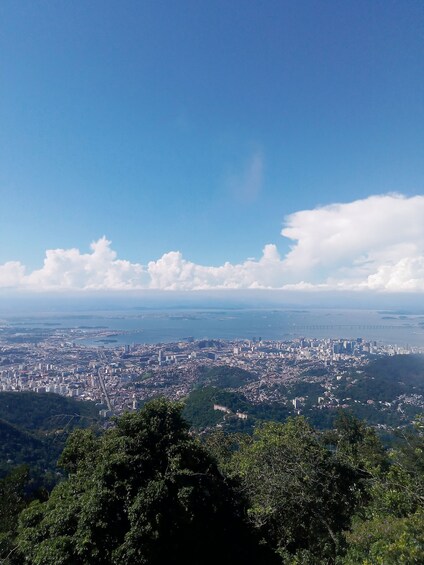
x=120 y=378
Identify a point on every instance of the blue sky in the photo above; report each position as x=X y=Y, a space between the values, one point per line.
x=198 y=127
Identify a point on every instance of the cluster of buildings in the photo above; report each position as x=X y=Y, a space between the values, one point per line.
x=121 y=378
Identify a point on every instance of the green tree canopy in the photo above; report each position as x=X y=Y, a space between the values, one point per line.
x=145 y=492
x=390 y=528
x=12 y=501
x=301 y=495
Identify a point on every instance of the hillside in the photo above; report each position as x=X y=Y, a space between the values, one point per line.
x=45 y=411
x=387 y=393
x=19 y=447
x=388 y=378
x=226 y=377
x=148 y=492
x=199 y=410
x=34 y=428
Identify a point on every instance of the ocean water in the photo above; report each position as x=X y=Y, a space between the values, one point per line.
x=162 y=326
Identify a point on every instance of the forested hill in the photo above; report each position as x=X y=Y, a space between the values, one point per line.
x=34 y=427
x=199 y=410
x=389 y=377
x=387 y=393
x=45 y=411
x=149 y=492
x=226 y=377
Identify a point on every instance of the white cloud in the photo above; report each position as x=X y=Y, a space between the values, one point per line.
x=372 y=244
x=100 y=269
x=352 y=245
x=247 y=185
x=407 y=274
x=11 y=274
x=172 y=272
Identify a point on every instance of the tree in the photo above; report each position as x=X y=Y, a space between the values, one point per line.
x=387 y=540
x=390 y=528
x=356 y=443
x=12 y=501
x=300 y=494
x=145 y=492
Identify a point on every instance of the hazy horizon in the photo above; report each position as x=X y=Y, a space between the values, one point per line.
x=25 y=302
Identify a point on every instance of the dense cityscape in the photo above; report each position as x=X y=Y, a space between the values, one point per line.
x=122 y=378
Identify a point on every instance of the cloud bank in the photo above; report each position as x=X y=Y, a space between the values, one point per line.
x=374 y=244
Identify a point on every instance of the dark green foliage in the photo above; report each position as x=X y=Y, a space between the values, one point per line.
x=403 y=368
x=34 y=435
x=389 y=377
x=390 y=528
x=148 y=492
x=372 y=394
x=34 y=427
x=301 y=495
x=355 y=442
x=305 y=388
x=321 y=419
x=12 y=502
x=400 y=491
x=143 y=493
x=387 y=540
x=20 y=447
x=375 y=414
x=268 y=411
x=17 y=490
x=226 y=377
x=199 y=408
x=199 y=411
x=46 y=411
x=372 y=414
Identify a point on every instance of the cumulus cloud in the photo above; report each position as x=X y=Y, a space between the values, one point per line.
x=100 y=269
x=374 y=244
x=407 y=274
x=172 y=272
x=11 y=274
